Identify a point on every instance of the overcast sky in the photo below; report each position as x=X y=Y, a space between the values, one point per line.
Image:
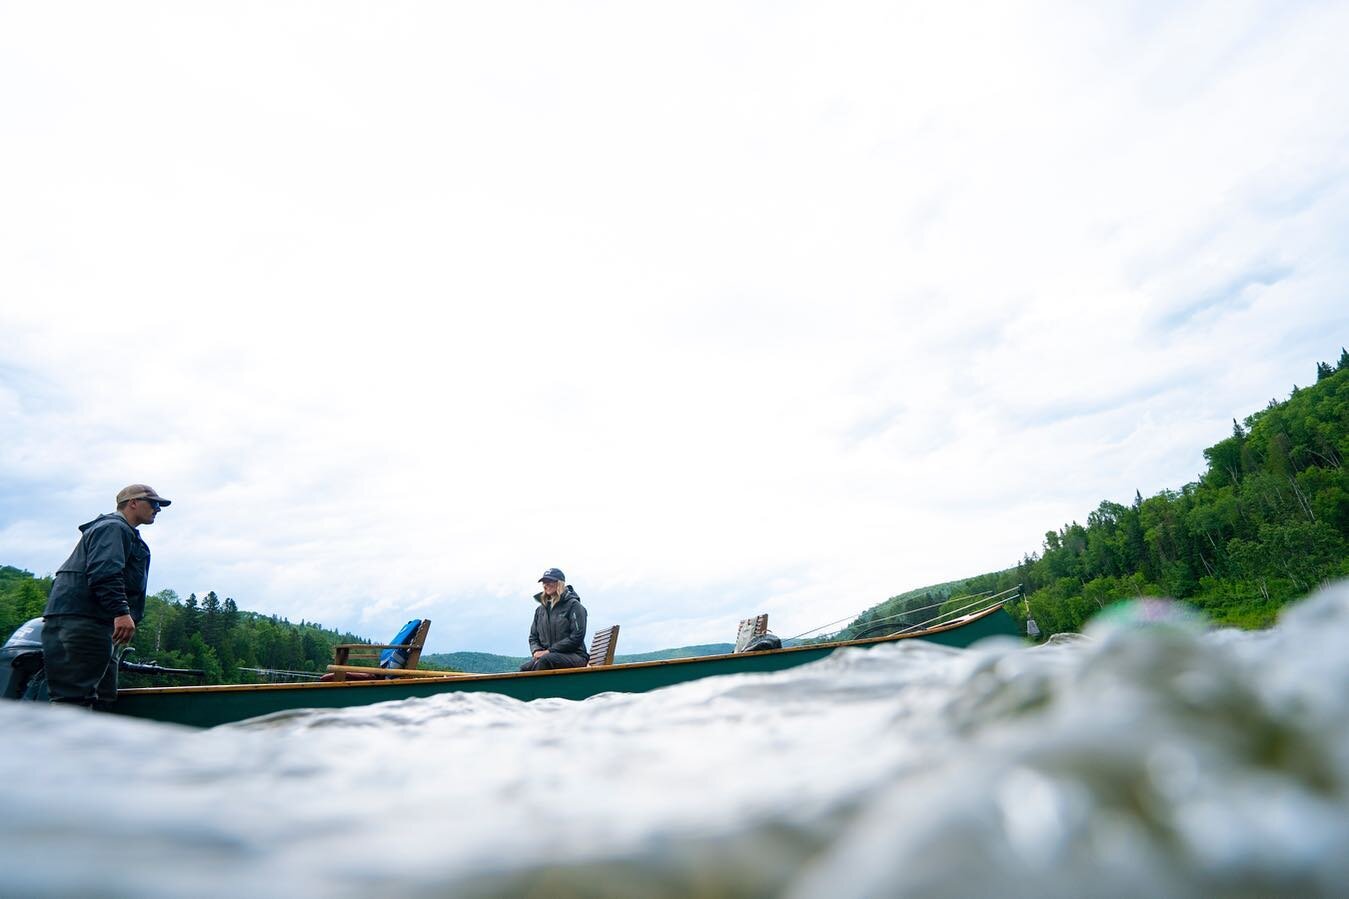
x=722 y=308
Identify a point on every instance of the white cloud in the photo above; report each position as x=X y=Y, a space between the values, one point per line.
x=721 y=308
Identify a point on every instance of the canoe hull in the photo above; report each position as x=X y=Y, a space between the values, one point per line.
x=215 y=705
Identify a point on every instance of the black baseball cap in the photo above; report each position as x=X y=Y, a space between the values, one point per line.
x=553 y=574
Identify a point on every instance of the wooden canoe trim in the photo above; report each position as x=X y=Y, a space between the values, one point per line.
x=428 y=676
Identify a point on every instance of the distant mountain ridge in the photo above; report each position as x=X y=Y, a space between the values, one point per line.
x=490 y=663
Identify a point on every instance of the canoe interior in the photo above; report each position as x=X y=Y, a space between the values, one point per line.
x=213 y=705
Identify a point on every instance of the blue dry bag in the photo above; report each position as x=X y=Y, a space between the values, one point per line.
x=397 y=658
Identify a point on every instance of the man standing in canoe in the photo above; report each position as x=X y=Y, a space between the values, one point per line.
x=97 y=599
x=557 y=638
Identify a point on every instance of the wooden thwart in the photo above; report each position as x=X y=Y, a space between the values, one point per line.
x=603 y=646
x=749 y=629
x=367 y=671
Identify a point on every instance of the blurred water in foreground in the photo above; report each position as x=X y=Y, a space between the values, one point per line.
x=1149 y=758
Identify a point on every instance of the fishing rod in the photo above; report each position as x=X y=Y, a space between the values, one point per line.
x=870 y=627
x=152 y=667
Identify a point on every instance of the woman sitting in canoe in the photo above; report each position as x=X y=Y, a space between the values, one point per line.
x=557 y=638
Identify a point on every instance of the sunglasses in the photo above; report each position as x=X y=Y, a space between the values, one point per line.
x=154 y=504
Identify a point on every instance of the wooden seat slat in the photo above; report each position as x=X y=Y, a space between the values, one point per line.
x=748 y=630
x=603 y=646
x=389 y=672
x=374 y=645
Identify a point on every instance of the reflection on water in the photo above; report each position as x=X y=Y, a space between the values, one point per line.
x=1148 y=758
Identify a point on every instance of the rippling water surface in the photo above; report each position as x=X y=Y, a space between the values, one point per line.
x=1147 y=758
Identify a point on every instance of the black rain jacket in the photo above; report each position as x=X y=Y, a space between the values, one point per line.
x=106 y=575
x=561 y=627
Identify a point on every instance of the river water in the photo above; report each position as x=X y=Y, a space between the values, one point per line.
x=1149 y=757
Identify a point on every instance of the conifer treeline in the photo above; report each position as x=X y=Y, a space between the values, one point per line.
x=1267 y=522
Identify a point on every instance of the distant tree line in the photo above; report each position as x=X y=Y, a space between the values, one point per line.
x=22 y=597
x=1266 y=523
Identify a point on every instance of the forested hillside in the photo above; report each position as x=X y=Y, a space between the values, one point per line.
x=1266 y=523
x=474 y=662
x=210 y=634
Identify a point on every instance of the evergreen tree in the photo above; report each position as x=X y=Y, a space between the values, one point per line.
x=191 y=616
x=212 y=627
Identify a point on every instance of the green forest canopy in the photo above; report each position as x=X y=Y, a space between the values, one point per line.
x=1266 y=523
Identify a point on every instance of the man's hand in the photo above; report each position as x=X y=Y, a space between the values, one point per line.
x=540 y=653
x=123 y=629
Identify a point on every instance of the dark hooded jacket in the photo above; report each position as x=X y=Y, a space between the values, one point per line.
x=106 y=575
x=560 y=627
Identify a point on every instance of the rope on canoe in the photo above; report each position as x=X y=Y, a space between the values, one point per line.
x=985 y=600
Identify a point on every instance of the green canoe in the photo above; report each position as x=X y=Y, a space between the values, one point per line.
x=207 y=706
